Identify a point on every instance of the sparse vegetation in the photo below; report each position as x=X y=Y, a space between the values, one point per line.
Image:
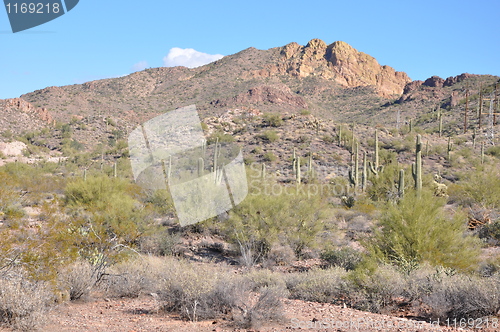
x=73 y=224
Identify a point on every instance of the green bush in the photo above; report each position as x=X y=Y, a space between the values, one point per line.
x=273 y=119
x=345 y=258
x=481 y=187
x=490 y=231
x=493 y=151
x=221 y=137
x=269 y=136
x=269 y=156
x=275 y=214
x=106 y=220
x=417 y=229
x=384 y=186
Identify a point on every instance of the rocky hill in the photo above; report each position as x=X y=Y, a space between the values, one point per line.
x=332 y=82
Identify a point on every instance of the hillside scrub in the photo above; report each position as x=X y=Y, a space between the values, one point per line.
x=273 y=214
x=416 y=230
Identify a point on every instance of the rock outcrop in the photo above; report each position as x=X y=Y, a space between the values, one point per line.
x=26 y=107
x=339 y=62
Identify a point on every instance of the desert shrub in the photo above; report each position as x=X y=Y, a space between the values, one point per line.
x=78 y=278
x=345 y=258
x=280 y=255
x=493 y=151
x=273 y=119
x=269 y=136
x=248 y=160
x=160 y=243
x=40 y=252
x=190 y=290
x=259 y=278
x=107 y=221
x=267 y=308
x=221 y=137
x=480 y=187
x=161 y=200
x=130 y=278
x=269 y=156
x=490 y=231
x=416 y=229
x=384 y=186
x=328 y=139
x=272 y=214
x=200 y=292
x=327 y=286
x=23 y=302
x=463 y=297
x=375 y=290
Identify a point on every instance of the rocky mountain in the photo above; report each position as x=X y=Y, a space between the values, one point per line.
x=332 y=82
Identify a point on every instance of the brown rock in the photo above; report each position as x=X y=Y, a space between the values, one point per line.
x=434 y=82
x=412 y=86
x=456 y=79
x=339 y=62
x=26 y=107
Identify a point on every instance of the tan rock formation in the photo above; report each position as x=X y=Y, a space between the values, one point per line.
x=339 y=62
x=26 y=107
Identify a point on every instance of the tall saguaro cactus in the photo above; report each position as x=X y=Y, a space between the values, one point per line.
x=440 y=119
x=297 y=174
x=375 y=168
x=401 y=183
x=466 y=108
x=416 y=167
x=354 y=173
x=480 y=108
x=364 y=176
x=449 y=148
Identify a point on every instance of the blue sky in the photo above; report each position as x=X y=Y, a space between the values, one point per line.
x=101 y=39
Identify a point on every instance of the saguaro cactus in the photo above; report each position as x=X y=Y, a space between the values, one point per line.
x=375 y=168
x=440 y=119
x=482 y=152
x=450 y=146
x=297 y=174
x=417 y=165
x=466 y=108
x=353 y=173
x=294 y=161
x=401 y=183
x=364 y=176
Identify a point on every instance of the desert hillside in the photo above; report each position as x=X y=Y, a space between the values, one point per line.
x=367 y=196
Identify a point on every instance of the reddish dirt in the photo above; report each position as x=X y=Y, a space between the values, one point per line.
x=141 y=315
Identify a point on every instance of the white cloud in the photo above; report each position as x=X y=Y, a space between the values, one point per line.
x=188 y=57
x=141 y=65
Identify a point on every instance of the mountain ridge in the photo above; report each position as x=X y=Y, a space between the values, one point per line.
x=332 y=82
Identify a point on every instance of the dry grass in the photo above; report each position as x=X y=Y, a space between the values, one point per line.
x=23 y=303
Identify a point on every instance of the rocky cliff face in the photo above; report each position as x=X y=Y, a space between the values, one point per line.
x=18 y=104
x=339 y=62
x=18 y=116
